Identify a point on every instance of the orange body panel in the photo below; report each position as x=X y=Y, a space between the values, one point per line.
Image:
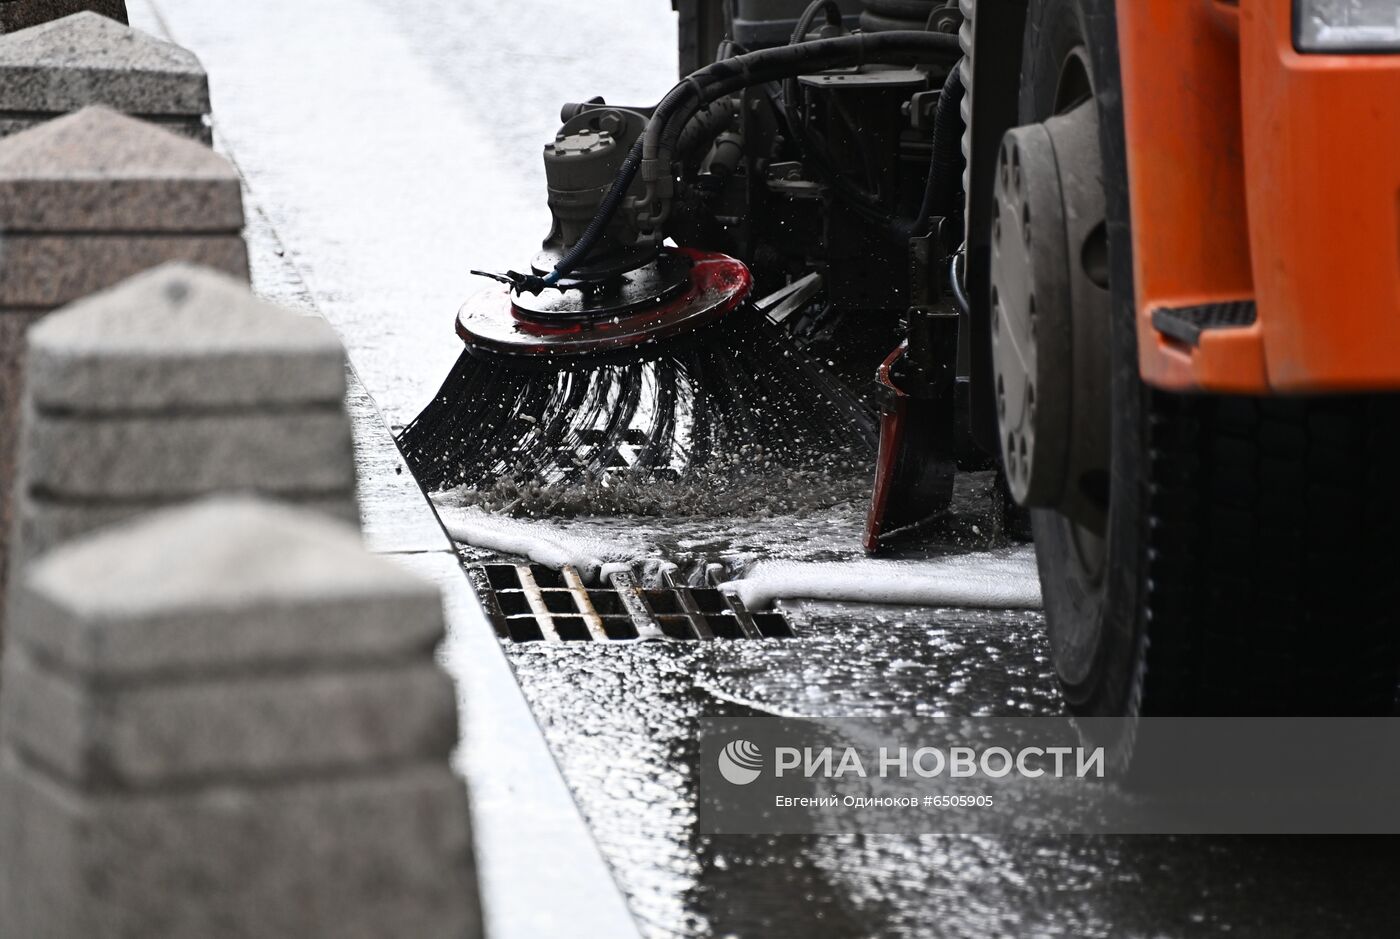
x=1322 y=153
x=1257 y=172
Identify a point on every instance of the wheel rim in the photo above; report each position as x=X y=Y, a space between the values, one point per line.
x=1051 y=307
x=1050 y=290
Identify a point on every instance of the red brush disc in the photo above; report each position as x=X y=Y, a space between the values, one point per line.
x=490 y=323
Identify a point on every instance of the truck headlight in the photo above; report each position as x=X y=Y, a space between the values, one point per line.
x=1346 y=25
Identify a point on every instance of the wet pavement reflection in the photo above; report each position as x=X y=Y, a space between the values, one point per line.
x=623 y=720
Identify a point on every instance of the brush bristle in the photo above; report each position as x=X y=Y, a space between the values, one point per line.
x=742 y=398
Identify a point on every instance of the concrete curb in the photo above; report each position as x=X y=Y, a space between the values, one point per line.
x=540 y=872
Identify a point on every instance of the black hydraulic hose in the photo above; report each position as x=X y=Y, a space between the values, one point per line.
x=586 y=242
x=809 y=16
x=651 y=154
x=707 y=126
x=903 y=47
x=945 y=164
x=863 y=203
x=799 y=33
x=626 y=174
x=957 y=268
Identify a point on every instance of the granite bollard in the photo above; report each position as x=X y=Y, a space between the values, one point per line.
x=86 y=201
x=22 y=14
x=176 y=384
x=85 y=59
x=225 y=721
x=91 y=198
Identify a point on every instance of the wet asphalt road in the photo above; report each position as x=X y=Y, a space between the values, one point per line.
x=392 y=144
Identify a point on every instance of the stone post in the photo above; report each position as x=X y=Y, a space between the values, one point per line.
x=176 y=384
x=225 y=721
x=22 y=14
x=87 y=201
x=50 y=70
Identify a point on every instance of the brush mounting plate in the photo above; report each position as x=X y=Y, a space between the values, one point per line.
x=491 y=323
x=647 y=286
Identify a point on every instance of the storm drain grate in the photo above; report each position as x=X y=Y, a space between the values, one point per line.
x=533 y=603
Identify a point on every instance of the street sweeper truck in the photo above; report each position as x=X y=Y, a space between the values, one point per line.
x=1142 y=256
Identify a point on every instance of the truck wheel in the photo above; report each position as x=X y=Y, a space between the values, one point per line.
x=1243 y=562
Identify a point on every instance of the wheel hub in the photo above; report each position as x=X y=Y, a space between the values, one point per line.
x=1050 y=315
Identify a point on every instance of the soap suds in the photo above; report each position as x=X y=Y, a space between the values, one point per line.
x=999 y=579
x=540 y=542
x=995 y=580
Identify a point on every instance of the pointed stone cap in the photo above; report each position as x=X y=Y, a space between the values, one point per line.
x=181 y=337
x=225 y=585
x=88 y=59
x=98 y=170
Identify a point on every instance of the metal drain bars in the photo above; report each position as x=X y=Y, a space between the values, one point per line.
x=533 y=603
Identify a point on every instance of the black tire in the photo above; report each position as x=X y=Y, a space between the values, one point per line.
x=1248 y=564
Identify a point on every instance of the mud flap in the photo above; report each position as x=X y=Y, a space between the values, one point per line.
x=915 y=468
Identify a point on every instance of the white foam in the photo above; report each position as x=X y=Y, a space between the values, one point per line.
x=1002 y=579
x=540 y=542
x=993 y=580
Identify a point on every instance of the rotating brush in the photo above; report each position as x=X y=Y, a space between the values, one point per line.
x=701 y=383
x=617 y=358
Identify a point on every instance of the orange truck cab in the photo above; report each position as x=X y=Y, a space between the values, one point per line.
x=1264 y=178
